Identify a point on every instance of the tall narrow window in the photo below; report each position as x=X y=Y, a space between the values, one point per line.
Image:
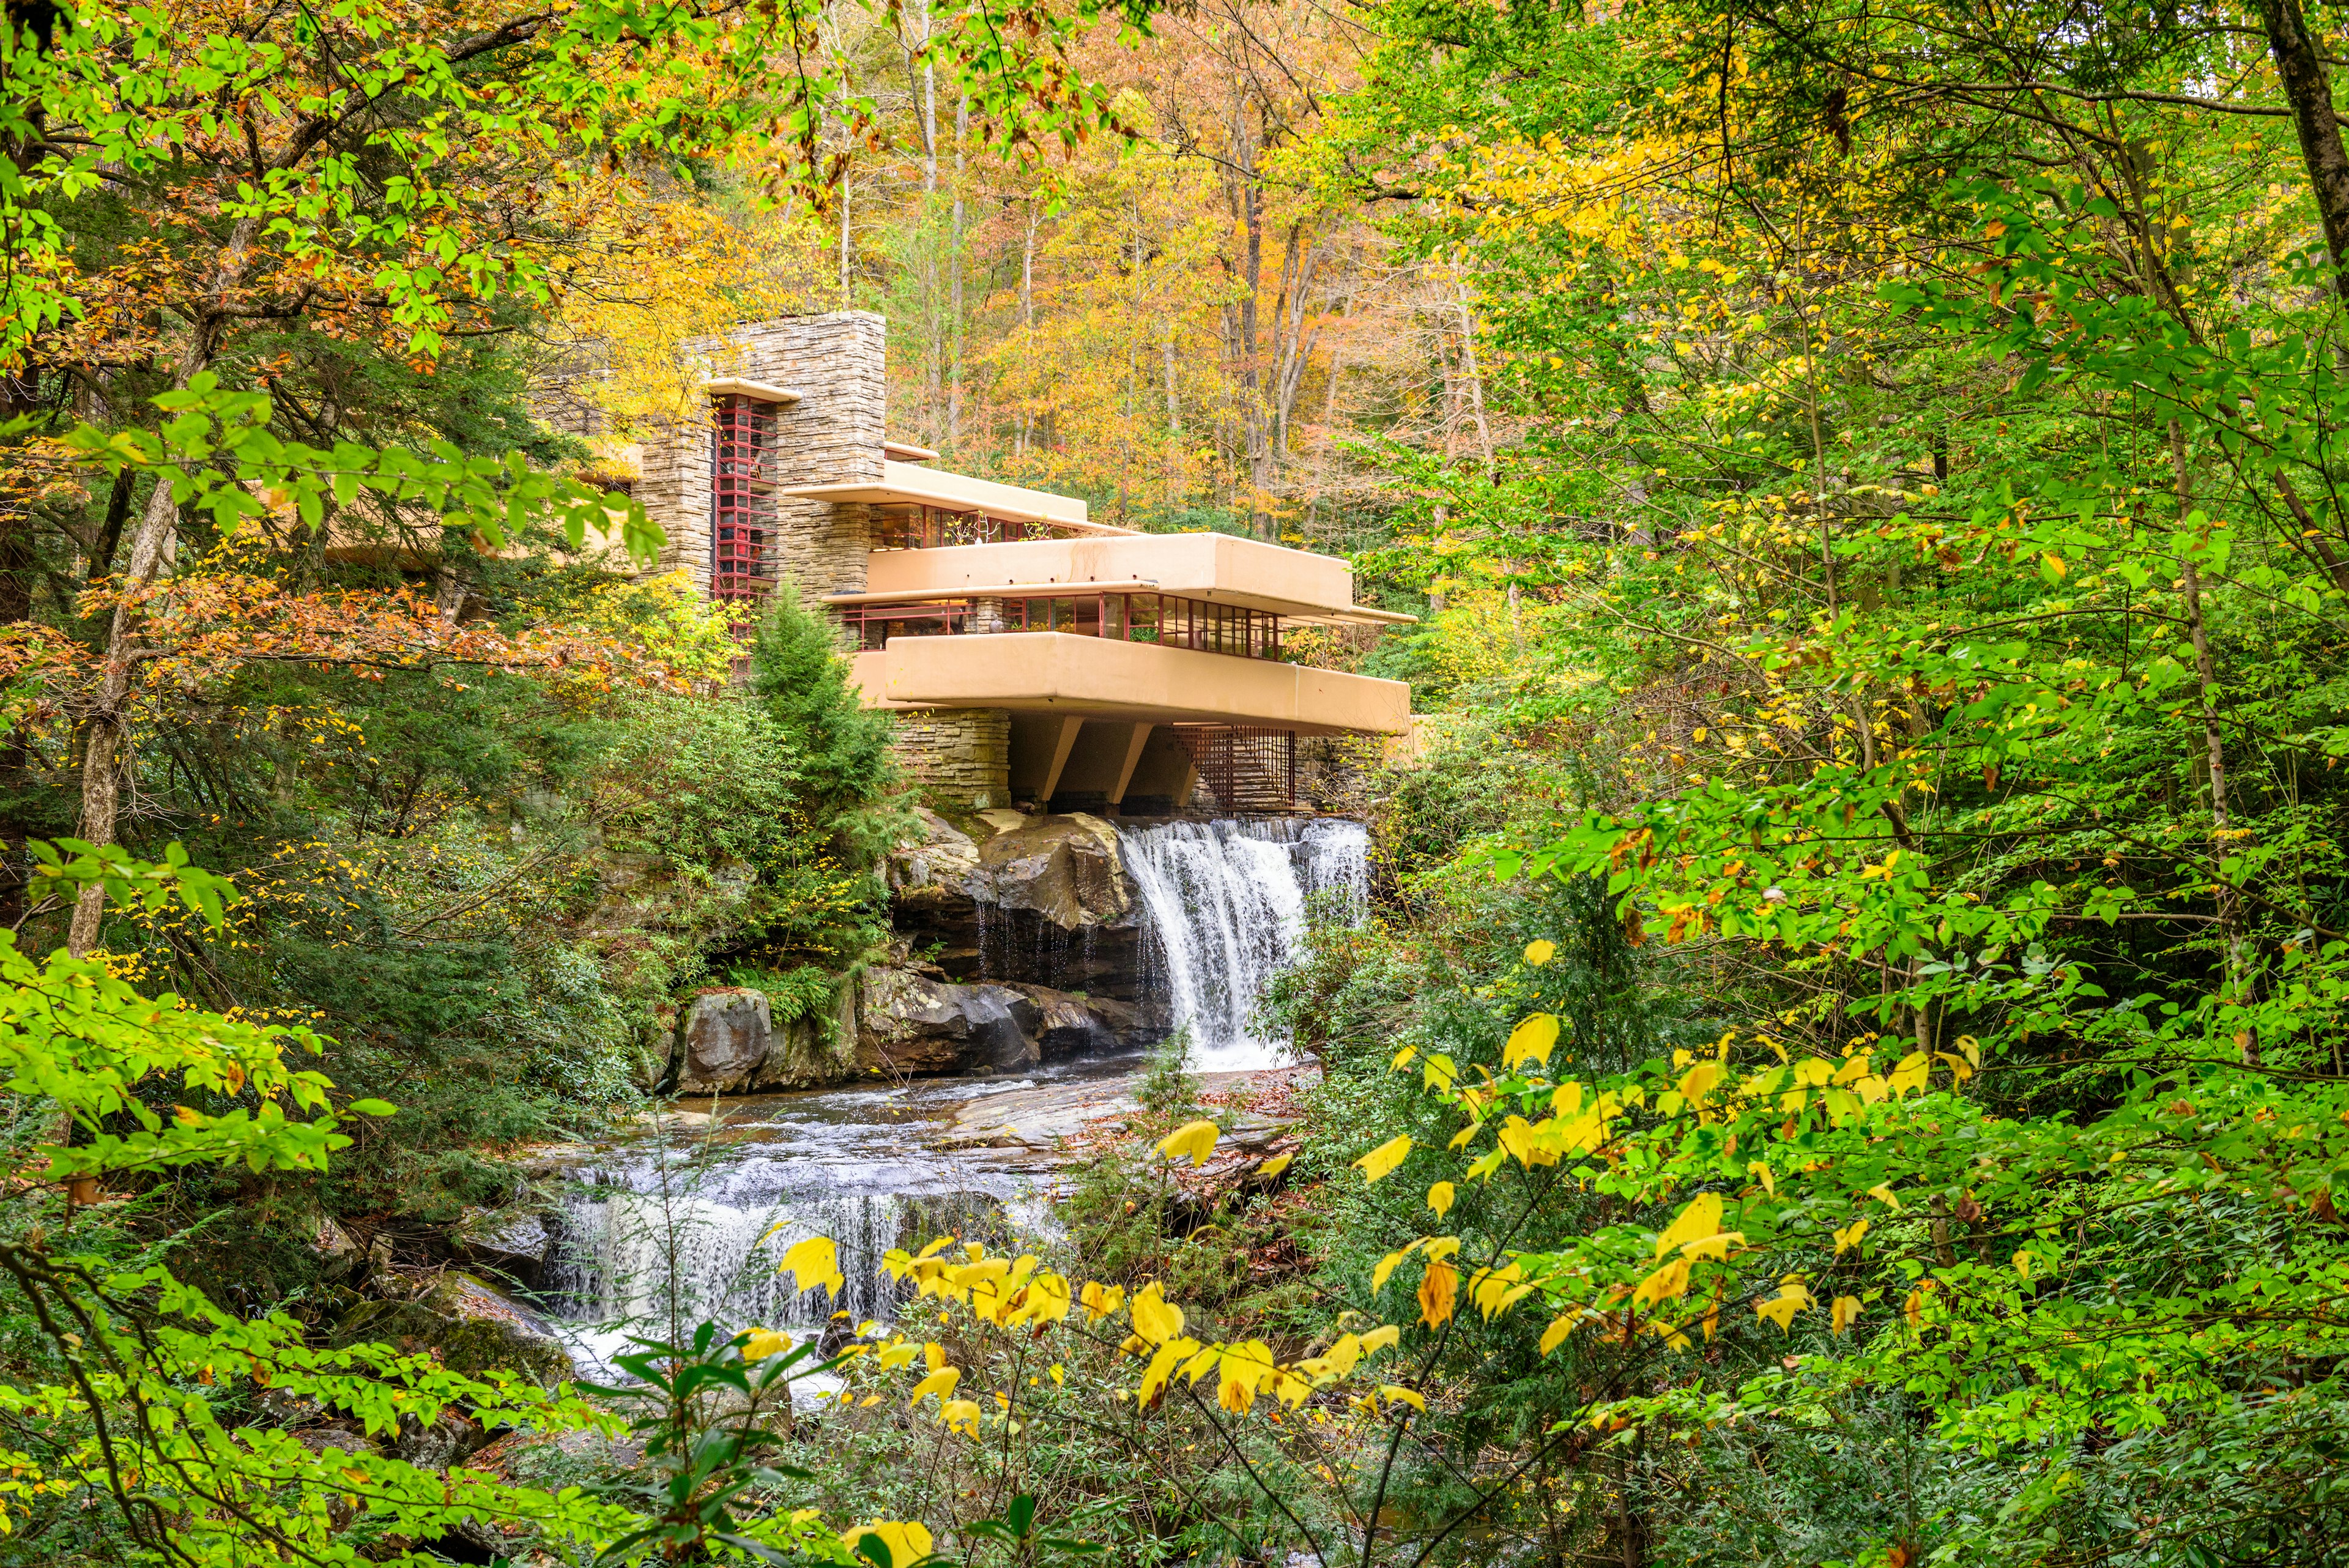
x=742 y=499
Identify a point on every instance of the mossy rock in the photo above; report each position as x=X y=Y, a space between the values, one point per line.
x=471 y=1328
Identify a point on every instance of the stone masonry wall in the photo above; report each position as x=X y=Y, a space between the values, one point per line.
x=963 y=752
x=833 y=435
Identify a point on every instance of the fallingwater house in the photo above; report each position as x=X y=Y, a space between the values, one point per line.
x=1035 y=656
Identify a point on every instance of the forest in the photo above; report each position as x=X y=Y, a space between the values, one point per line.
x=1824 y=1044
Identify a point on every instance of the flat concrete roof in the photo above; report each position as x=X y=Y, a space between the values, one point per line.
x=906 y=482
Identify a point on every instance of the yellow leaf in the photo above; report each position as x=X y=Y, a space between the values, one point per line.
x=1386 y=1268
x=2054 y=563
x=940 y=1382
x=1701 y=1218
x=1849 y=1237
x=1439 y=1198
x=1884 y=1191
x=1385 y=1158
x=1844 y=1312
x=1762 y=1173
x=1792 y=1298
x=812 y=1262
x=1058 y=1377
x=1540 y=952
x=1914 y=1308
x=1531 y=1041
x=1393 y=1395
x=764 y=1342
x=908 y=1542
x=1382 y=1337
x=1100 y=1300
x=1437 y=1287
x=1162 y=1367
x=961 y=1415
x=1155 y=1319
x=1276 y=1164
x=1555 y=1335
x=2023 y=1264
x=933 y=1356
x=1403 y=1058
x=1196 y=1139
x=1246 y=1367
x=1663 y=1286
x=1715 y=1247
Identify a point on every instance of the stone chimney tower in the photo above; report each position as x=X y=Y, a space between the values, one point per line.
x=797 y=402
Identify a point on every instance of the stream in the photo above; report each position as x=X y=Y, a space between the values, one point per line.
x=690 y=1223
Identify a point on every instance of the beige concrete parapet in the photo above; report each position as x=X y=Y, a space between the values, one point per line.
x=1218 y=568
x=1096 y=678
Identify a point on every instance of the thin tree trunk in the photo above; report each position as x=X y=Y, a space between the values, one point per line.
x=1475 y=376
x=109 y=533
x=1247 y=202
x=953 y=285
x=2206 y=674
x=1028 y=320
x=101 y=778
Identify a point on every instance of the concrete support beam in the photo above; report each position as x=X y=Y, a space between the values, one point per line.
x=1140 y=738
x=1061 y=747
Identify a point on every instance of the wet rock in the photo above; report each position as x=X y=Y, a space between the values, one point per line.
x=1069 y=1025
x=468 y=1323
x=727 y=1035
x=909 y=1022
x=511 y=1243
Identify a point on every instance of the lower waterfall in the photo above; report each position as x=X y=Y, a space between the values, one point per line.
x=1228 y=902
x=660 y=1234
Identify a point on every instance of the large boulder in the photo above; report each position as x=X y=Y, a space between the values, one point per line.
x=726 y=1039
x=1041 y=900
x=1064 y=869
x=909 y=1022
x=512 y=1242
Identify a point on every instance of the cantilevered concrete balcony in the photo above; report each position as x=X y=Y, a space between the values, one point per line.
x=1098 y=678
x=1297 y=585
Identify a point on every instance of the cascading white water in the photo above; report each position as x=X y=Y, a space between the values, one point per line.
x=1226 y=901
x=655 y=1238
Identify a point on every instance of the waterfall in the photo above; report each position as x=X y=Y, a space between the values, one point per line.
x=1226 y=901
x=647 y=1233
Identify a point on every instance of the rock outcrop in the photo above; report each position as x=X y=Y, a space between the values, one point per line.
x=725 y=1041
x=1037 y=900
x=909 y=1021
x=468 y=1325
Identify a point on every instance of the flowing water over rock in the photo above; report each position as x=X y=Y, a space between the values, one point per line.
x=1227 y=901
x=658 y=1235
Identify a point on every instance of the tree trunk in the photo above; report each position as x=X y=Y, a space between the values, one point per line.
x=954 y=282
x=1248 y=207
x=2310 y=93
x=2206 y=674
x=101 y=761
